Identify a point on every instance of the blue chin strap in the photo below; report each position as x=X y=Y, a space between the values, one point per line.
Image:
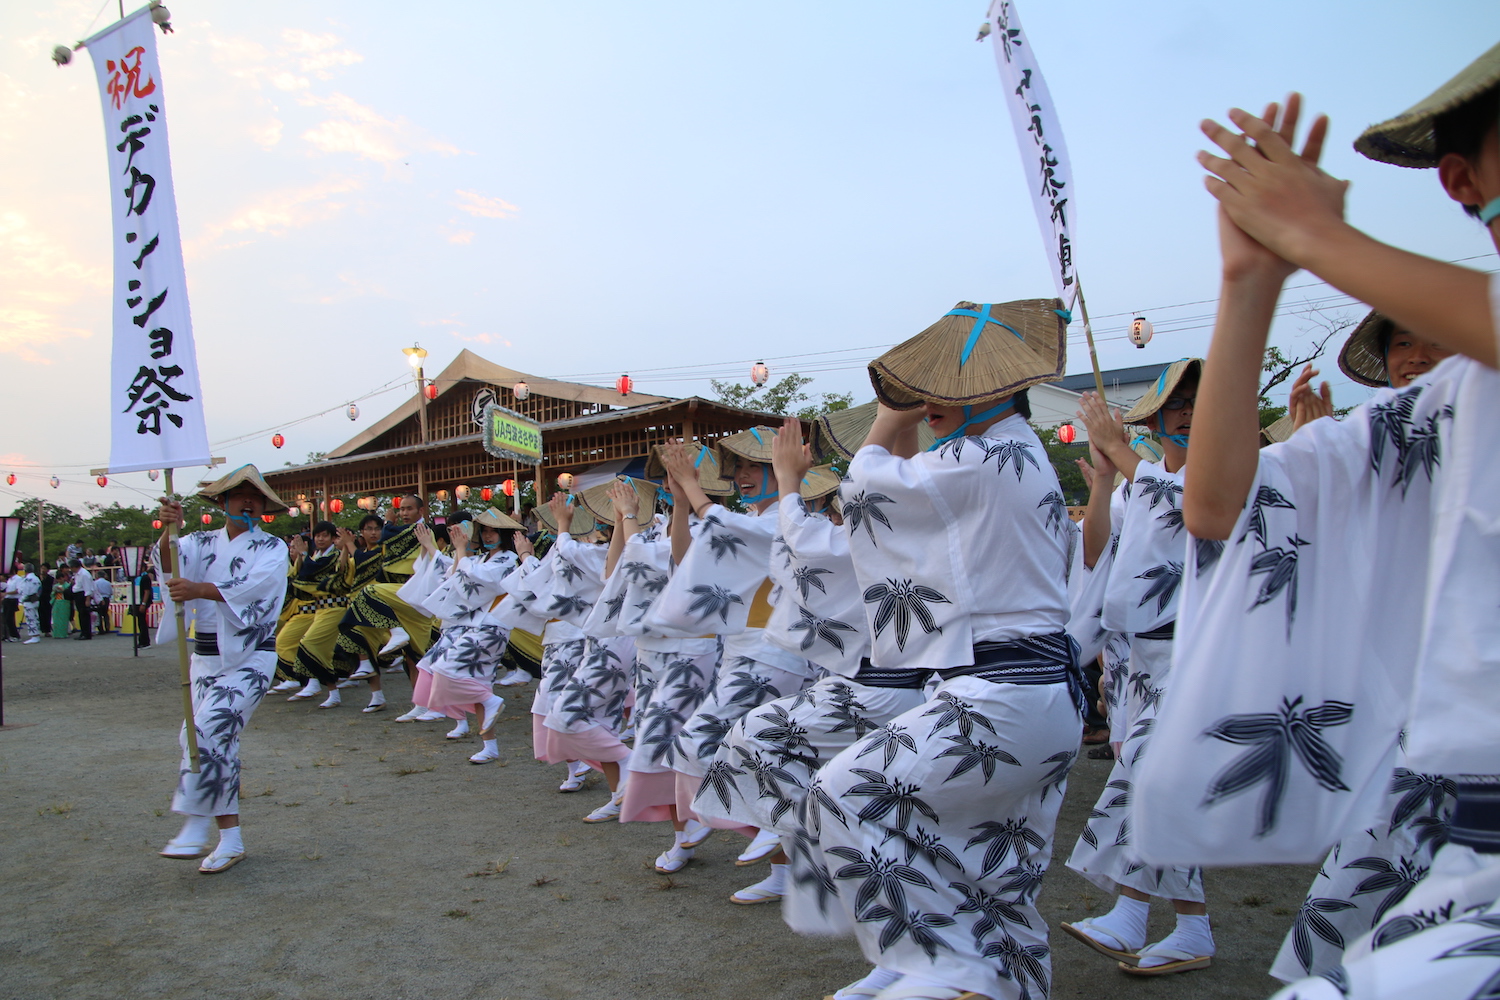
x=971 y=418
x=766 y=493
x=1180 y=440
x=1490 y=212
x=247 y=520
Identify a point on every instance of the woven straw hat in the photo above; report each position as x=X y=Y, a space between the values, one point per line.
x=975 y=354
x=844 y=431
x=496 y=518
x=707 y=463
x=581 y=524
x=753 y=445
x=596 y=499
x=1361 y=358
x=1145 y=407
x=1407 y=140
x=1278 y=430
x=820 y=481
x=215 y=490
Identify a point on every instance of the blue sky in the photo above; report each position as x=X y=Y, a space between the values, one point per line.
x=585 y=190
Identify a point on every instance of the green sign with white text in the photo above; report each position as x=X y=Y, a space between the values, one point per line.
x=507 y=434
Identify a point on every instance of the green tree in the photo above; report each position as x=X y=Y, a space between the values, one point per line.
x=781 y=398
x=1064 y=462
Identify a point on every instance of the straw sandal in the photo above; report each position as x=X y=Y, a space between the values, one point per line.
x=1181 y=961
x=1080 y=930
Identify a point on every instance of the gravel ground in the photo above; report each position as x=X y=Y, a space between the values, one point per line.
x=383 y=865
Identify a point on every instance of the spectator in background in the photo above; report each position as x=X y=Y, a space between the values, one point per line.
x=30 y=591
x=83 y=594
x=75 y=551
x=11 y=606
x=44 y=594
x=104 y=593
x=62 y=604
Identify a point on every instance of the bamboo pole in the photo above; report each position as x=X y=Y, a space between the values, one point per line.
x=1088 y=333
x=171 y=564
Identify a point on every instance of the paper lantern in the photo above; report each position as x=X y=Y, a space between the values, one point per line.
x=55 y=482
x=431 y=391
x=301 y=497
x=208 y=519
x=522 y=390
x=442 y=495
x=759 y=373
x=462 y=492
x=353 y=412
x=153 y=474
x=10 y=480
x=1066 y=434
x=305 y=506
x=268 y=518
x=486 y=493
x=565 y=481
x=156 y=525
x=277 y=440
x=508 y=487
x=623 y=385
x=1141 y=331
x=103 y=481
x=336 y=505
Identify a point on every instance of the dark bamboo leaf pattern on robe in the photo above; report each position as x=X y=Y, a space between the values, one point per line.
x=719 y=779
x=1275 y=738
x=1159 y=490
x=901 y=601
x=972 y=754
x=1014 y=453
x=1164 y=583
x=568 y=571
x=1255 y=524
x=814 y=628
x=1310 y=920
x=1208 y=551
x=613 y=605
x=1280 y=568
x=1418 y=792
x=1407 y=924
x=1062 y=763
x=1025 y=880
x=1021 y=964
x=1172 y=518
x=567 y=604
x=722 y=545
x=711 y=600
x=878 y=876
x=711 y=731
x=892 y=738
x=784 y=733
x=751 y=689
x=918 y=925
x=806 y=578
x=994 y=911
x=1388 y=424
x=1057 y=510
x=1395 y=881
x=956 y=711
x=768 y=777
x=1005 y=837
x=1423 y=451
x=887 y=795
x=863 y=510
x=1487 y=948
x=929 y=845
x=844 y=708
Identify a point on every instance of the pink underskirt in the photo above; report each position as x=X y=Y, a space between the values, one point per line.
x=595 y=744
x=649 y=797
x=422 y=693
x=449 y=694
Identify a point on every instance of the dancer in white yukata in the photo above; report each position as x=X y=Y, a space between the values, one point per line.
x=463 y=660
x=1353 y=594
x=928 y=839
x=231 y=582
x=761 y=773
x=722 y=583
x=672 y=672
x=30 y=589
x=1134 y=546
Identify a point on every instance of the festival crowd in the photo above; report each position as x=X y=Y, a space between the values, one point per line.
x=875 y=678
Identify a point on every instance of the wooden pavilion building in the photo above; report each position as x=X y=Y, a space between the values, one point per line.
x=429 y=446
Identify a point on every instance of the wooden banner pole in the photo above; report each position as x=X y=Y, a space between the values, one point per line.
x=171 y=564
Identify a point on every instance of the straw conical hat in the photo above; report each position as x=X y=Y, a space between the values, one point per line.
x=753 y=445
x=1145 y=407
x=581 y=524
x=975 y=354
x=844 y=431
x=707 y=462
x=1407 y=140
x=1278 y=430
x=1361 y=358
x=820 y=481
x=244 y=474
x=496 y=518
x=596 y=499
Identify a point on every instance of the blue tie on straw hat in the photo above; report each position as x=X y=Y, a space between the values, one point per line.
x=1156 y=397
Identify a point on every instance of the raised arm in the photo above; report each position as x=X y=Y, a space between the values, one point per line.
x=895 y=430
x=627 y=522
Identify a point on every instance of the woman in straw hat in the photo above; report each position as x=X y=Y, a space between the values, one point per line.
x=1304 y=668
x=766 y=763
x=1135 y=548
x=461 y=663
x=722 y=585
x=672 y=672
x=231 y=582
x=928 y=839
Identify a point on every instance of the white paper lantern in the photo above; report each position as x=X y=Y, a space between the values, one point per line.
x=1141 y=331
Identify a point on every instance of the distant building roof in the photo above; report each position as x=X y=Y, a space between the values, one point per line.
x=1121 y=376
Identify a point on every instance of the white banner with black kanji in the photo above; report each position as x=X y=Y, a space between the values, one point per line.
x=155 y=400
x=1044 y=155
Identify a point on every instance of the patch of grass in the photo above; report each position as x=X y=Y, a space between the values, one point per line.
x=457 y=914
x=160 y=812
x=611 y=899
x=564 y=840
x=544 y=880
x=562 y=897
x=268 y=791
x=494 y=868
x=403 y=771
x=1254 y=901
x=56 y=809
x=290 y=805
x=667 y=884
x=1281 y=911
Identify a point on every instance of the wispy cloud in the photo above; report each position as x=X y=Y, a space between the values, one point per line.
x=479 y=206
x=354 y=128
x=277 y=212
x=43 y=279
x=482 y=338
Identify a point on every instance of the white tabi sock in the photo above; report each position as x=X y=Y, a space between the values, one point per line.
x=195 y=830
x=312 y=687
x=333 y=699
x=1192 y=935
x=878 y=979
x=1126 y=923
x=230 y=841
x=577 y=767
x=377 y=698
x=493 y=746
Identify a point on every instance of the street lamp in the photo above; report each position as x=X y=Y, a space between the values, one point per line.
x=414 y=357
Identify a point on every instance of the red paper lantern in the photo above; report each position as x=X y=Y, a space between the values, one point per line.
x=103 y=481
x=623 y=385
x=268 y=518
x=336 y=505
x=208 y=519
x=277 y=440
x=486 y=493
x=10 y=480
x=508 y=487
x=431 y=391
x=156 y=525
x=1066 y=434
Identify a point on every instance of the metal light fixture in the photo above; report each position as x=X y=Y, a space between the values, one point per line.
x=414 y=355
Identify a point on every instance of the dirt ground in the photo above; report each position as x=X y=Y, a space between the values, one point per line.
x=383 y=865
